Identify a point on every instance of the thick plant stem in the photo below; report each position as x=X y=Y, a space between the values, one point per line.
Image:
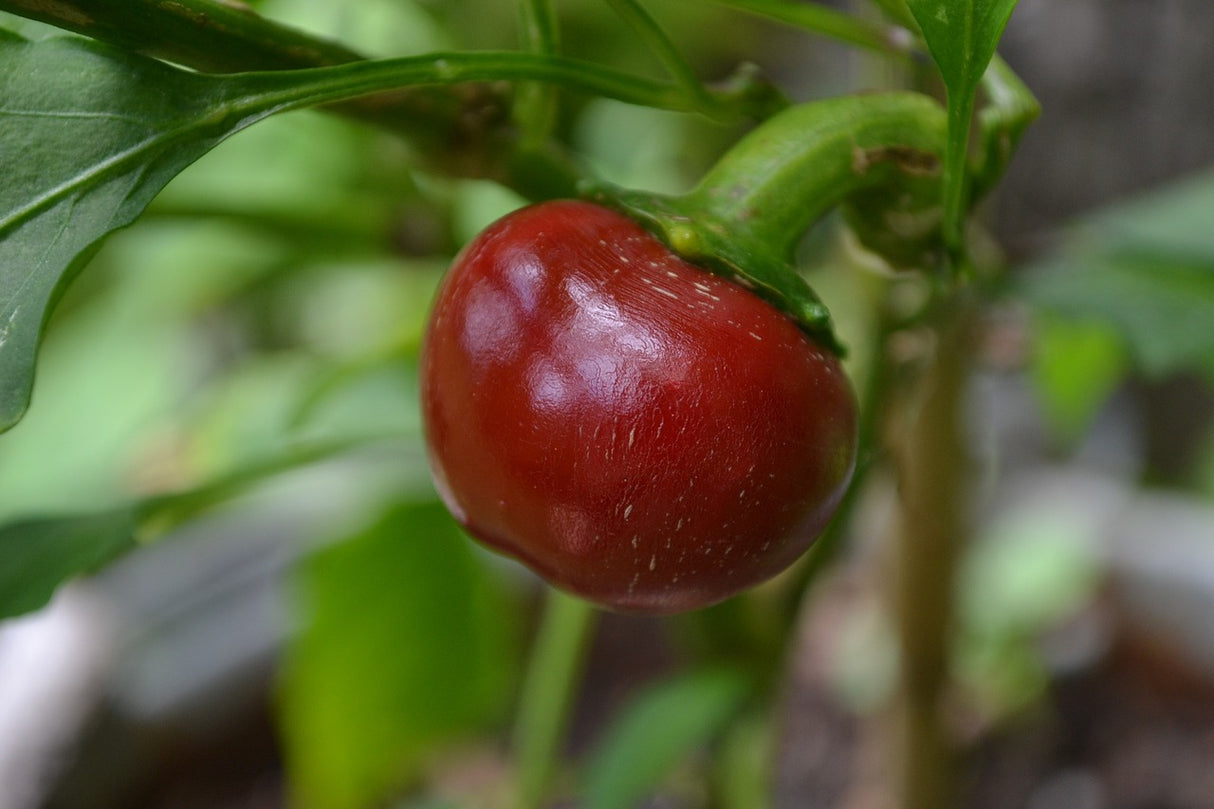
x=925 y=437
x=552 y=675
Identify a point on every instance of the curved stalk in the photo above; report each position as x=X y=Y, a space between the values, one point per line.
x=1010 y=109
x=747 y=215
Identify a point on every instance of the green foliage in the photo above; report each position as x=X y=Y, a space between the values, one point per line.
x=1145 y=268
x=1076 y=365
x=37 y=555
x=81 y=160
x=744 y=765
x=1161 y=308
x=657 y=731
x=405 y=647
x=823 y=19
x=265 y=314
x=88 y=158
x=1173 y=221
x=1029 y=572
x=962 y=36
x=231 y=39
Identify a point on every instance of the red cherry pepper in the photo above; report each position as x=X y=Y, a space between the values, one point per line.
x=638 y=431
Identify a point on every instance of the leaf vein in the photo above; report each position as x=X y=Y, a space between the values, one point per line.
x=74 y=114
x=96 y=172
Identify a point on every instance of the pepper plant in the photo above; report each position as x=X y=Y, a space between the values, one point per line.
x=106 y=103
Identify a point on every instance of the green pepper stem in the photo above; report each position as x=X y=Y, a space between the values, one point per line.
x=747 y=215
x=792 y=170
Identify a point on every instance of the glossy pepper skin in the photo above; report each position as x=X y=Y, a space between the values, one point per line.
x=636 y=430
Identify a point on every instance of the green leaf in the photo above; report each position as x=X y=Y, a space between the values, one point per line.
x=37 y=555
x=90 y=134
x=1162 y=308
x=87 y=137
x=962 y=36
x=744 y=766
x=405 y=646
x=821 y=18
x=658 y=730
x=1176 y=221
x=1145 y=269
x=209 y=35
x=1076 y=365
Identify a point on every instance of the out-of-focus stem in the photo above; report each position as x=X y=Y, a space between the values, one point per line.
x=552 y=677
x=925 y=439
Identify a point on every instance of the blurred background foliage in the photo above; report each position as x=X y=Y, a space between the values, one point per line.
x=329 y=636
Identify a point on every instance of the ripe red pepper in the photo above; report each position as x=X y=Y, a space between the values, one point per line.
x=638 y=431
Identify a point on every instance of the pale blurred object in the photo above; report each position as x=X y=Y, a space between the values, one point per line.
x=52 y=669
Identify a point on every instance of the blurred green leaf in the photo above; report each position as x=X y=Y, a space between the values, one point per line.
x=477 y=204
x=1176 y=221
x=1146 y=269
x=37 y=555
x=405 y=646
x=427 y=803
x=379 y=28
x=1032 y=569
x=109 y=375
x=657 y=731
x=1076 y=365
x=25 y=27
x=1162 y=308
x=745 y=764
x=825 y=20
